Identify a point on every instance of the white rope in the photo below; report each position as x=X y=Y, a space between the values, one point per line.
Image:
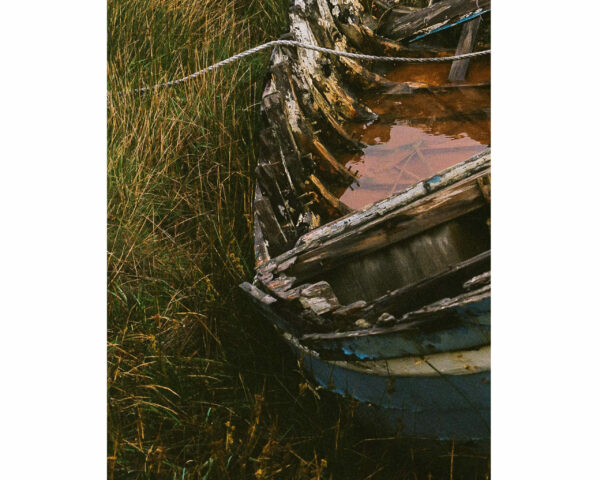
x=308 y=46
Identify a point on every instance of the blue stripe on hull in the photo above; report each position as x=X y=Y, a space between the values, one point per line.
x=402 y=344
x=472 y=330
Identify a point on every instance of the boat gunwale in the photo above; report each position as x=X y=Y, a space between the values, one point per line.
x=374 y=211
x=407 y=321
x=413 y=365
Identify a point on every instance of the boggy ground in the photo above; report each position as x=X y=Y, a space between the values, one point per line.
x=198 y=386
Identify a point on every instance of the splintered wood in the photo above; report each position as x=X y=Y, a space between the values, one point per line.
x=373 y=183
x=310 y=101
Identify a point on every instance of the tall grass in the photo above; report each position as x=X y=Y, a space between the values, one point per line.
x=198 y=386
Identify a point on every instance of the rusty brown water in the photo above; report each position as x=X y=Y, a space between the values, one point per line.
x=420 y=133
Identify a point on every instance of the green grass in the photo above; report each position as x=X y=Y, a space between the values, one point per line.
x=198 y=386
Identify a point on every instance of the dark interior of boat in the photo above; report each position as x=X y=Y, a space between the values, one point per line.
x=413 y=260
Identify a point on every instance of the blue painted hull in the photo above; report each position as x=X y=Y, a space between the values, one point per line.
x=421 y=404
x=438 y=407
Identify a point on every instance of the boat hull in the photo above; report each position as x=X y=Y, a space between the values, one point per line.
x=388 y=304
x=439 y=406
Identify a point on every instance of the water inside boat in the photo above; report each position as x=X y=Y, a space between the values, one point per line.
x=435 y=126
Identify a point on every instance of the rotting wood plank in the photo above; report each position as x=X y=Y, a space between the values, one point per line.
x=304 y=109
x=342 y=105
x=478 y=281
x=309 y=110
x=399 y=26
x=332 y=123
x=445 y=205
x=269 y=226
x=451 y=324
x=345 y=176
x=283 y=139
x=280 y=206
x=359 y=28
x=468 y=34
x=329 y=36
x=448 y=283
x=261 y=249
x=279 y=314
x=408 y=88
x=385 y=5
x=373 y=214
x=485 y=187
x=319 y=297
x=334 y=204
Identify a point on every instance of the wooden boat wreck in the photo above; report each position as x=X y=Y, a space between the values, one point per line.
x=388 y=303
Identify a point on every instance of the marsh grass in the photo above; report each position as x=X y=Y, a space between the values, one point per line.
x=198 y=386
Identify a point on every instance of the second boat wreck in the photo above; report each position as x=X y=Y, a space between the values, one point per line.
x=388 y=303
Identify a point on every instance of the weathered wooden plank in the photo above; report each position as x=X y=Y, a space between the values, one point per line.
x=359 y=28
x=319 y=297
x=348 y=310
x=442 y=206
x=485 y=187
x=315 y=66
x=370 y=276
x=385 y=5
x=309 y=111
x=282 y=205
x=478 y=281
x=283 y=140
x=374 y=213
x=261 y=249
x=331 y=123
x=329 y=163
x=276 y=312
x=466 y=42
x=329 y=36
x=273 y=173
x=399 y=26
x=269 y=227
x=333 y=204
x=408 y=88
x=446 y=284
x=259 y=295
x=457 y=363
x=285 y=83
x=458 y=323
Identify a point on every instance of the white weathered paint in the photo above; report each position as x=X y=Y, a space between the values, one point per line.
x=463 y=362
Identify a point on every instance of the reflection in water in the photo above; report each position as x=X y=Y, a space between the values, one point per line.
x=421 y=133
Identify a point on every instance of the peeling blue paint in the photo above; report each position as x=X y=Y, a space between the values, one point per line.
x=361 y=356
x=466 y=19
x=434 y=407
x=470 y=329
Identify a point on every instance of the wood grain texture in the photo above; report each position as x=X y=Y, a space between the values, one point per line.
x=399 y=26
x=466 y=42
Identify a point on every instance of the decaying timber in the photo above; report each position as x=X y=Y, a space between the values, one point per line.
x=389 y=304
